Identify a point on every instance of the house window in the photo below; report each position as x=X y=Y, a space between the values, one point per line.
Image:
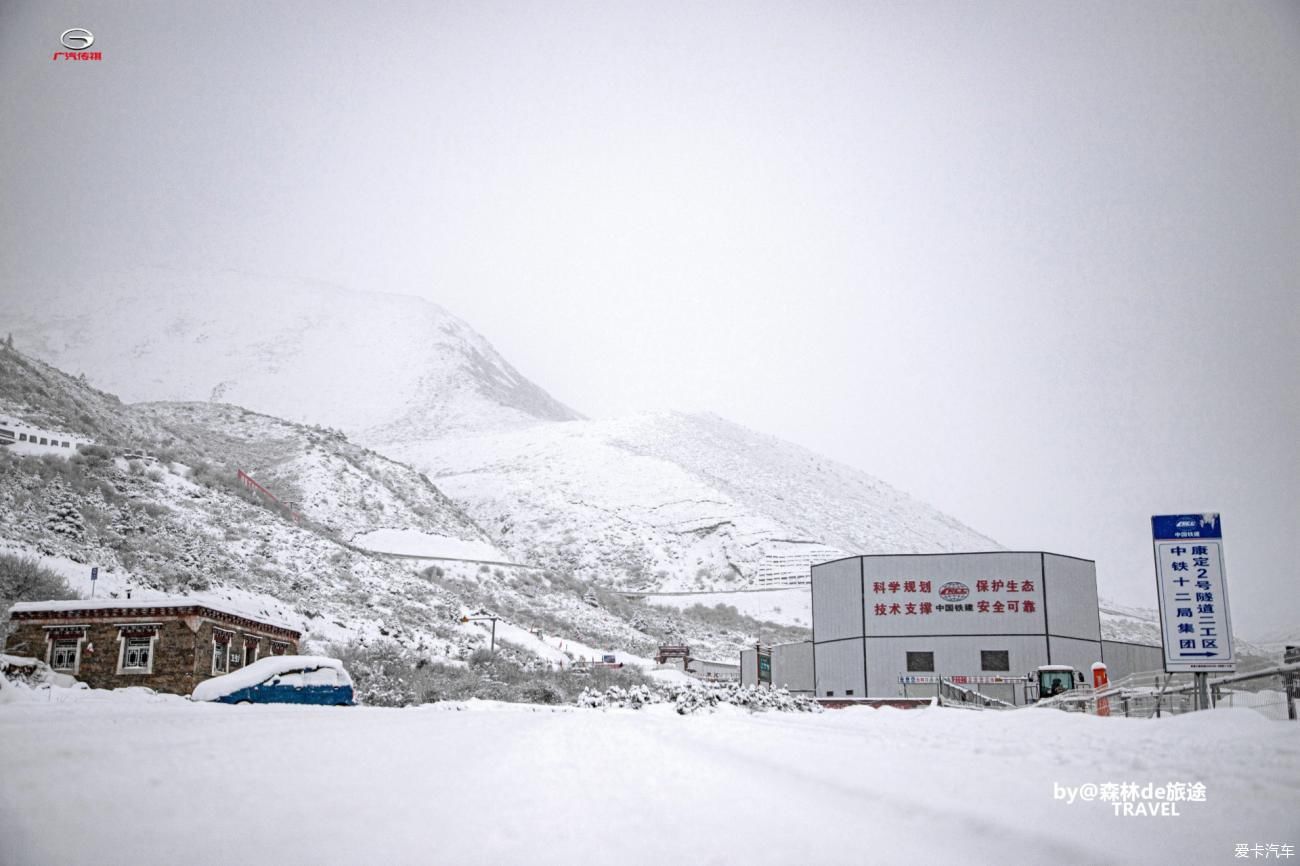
x=995 y=660
x=251 y=648
x=63 y=655
x=64 y=648
x=920 y=662
x=22 y=437
x=279 y=648
x=220 y=651
x=138 y=654
x=45 y=441
x=135 y=648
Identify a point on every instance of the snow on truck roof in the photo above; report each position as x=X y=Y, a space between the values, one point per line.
x=259 y=671
x=98 y=604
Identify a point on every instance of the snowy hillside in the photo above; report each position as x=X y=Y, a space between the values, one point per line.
x=664 y=501
x=183 y=525
x=388 y=364
x=1277 y=640
x=1142 y=625
x=671 y=501
x=342 y=487
x=1132 y=624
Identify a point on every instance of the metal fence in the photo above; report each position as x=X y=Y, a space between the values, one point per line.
x=1271 y=690
x=965 y=697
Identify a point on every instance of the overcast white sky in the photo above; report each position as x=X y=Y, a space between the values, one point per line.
x=1036 y=263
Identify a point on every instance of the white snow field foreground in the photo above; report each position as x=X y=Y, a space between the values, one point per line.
x=161 y=780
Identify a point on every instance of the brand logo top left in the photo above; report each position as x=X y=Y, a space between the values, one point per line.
x=77 y=38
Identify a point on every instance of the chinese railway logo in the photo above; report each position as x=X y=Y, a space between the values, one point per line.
x=77 y=39
x=954 y=590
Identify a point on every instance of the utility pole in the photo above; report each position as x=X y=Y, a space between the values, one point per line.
x=494 y=619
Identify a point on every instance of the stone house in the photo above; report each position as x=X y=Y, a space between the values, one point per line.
x=170 y=645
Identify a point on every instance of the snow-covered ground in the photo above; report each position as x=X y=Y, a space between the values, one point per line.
x=412 y=542
x=787 y=606
x=557 y=650
x=157 y=782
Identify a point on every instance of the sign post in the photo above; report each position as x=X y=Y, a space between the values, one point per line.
x=1292 y=680
x=1192 y=587
x=480 y=618
x=764 y=665
x=94 y=576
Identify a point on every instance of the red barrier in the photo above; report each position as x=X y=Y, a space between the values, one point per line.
x=1099 y=682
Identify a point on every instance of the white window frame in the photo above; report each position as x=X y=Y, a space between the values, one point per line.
x=225 y=669
x=122 y=638
x=257 y=649
x=50 y=639
x=59 y=648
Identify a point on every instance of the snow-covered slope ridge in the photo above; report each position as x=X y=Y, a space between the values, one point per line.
x=671 y=501
x=388 y=364
x=177 y=523
x=661 y=501
x=347 y=489
x=342 y=487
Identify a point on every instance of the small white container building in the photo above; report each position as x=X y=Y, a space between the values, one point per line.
x=886 y=626
x=792 y=667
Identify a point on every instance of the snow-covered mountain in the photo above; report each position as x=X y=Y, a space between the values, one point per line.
x=388 y=366
x=177 y=521
x=666 y=501
x=672 y=501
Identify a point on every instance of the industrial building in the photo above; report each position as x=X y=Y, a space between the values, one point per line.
x=888 y=626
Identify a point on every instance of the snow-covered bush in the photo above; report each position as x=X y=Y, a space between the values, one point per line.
x=381 y=674
x=592 y=699
x=387 y=674
x=689 y=698
x=21 y=676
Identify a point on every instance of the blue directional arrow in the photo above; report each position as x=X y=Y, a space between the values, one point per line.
x=1181 y=655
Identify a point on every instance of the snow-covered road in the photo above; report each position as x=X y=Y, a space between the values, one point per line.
x=164 y=781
